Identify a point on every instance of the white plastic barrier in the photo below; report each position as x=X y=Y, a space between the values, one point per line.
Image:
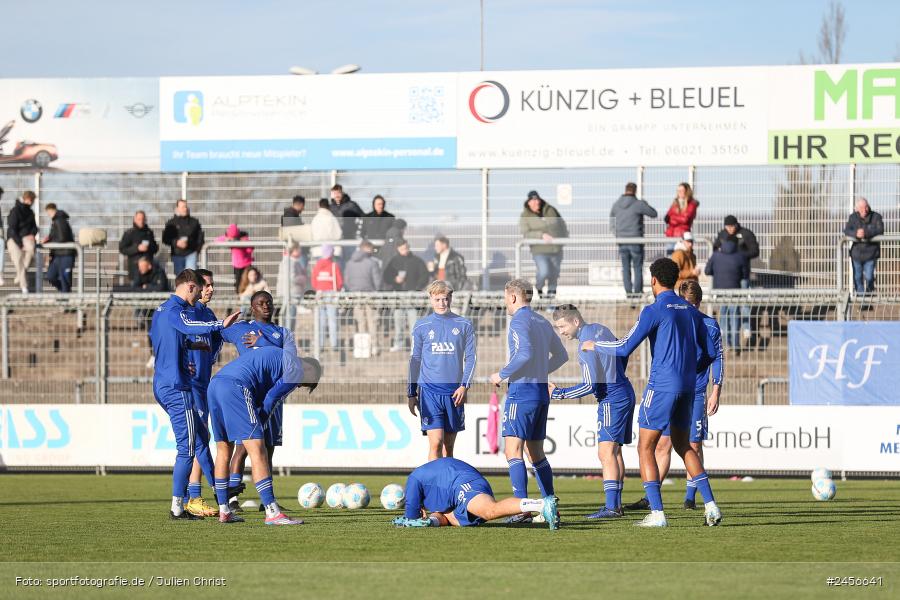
x=776 y=438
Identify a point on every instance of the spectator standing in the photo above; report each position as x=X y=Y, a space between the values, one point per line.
x=728 y=268
x=20 y=237
x=749 y=248
x=348 y=214
x=292 y=272
x=293 y=215
x=394 y=235
x=627 y=221
x=686 y=260
x=327 y=277
x=325 y=228
x=682 y=213
x=405 y=273
x=363 y=274
x=375 y=224
x=59 y=272
x=137 y=242
x=448 y=265
x=241 y=258
x=540 y=220
x=862 y=225
x=184 y=236
x=252 y=281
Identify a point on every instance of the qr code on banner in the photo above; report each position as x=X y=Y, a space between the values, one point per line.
x=426 y=104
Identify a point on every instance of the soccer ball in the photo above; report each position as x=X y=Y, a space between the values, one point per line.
x=334 y=495
x=393 y=497
x=355 y=495
x=823 y=489
x=820 y=473
x=311 y=495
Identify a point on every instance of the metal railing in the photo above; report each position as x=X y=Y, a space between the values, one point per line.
x=842 y=256
x=79 y=261
x=597 y=241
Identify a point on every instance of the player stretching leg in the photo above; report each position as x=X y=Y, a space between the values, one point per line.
x=604 y=377
x=249 y=335
x=242 y=397
x=455 y=493
x=535 y=351
x=441 y=365
x=676 y=331
x=171 y=329
x=203 y=360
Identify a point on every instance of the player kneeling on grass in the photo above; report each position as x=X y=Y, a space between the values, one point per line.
x=455 y=493
x=441 y=365
x=242 y=397
x=603 y=376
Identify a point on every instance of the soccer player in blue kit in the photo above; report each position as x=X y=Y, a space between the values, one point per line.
x=249 y=335
x=604 y=377
x=676 y=331
x=173 y=325
x=242 y=397
x=441 y=366
x=703 y=407
x=455 y=493
x=202 y=361
x=535 y=351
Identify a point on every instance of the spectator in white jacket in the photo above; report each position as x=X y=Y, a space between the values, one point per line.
x=325 y=228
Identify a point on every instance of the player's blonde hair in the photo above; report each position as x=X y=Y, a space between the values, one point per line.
x=439 y=287
x=520 y=288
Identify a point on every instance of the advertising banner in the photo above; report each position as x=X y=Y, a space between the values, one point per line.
x=741 y=438
x=79 y=124
x=811 y=114
x=386 y=121
x=852 y=362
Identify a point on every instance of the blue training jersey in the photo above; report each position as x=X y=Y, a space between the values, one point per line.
x=204 y=361
x=676 y=331
x=171 y=331
x=433 y=485
x=535 y=351
x=443 y=354
x=268 y=372
x=269 y=334
x=601 y=374
x=717 y=362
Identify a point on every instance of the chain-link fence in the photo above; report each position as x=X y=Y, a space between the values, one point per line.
x=797 y=213
x=95 y=349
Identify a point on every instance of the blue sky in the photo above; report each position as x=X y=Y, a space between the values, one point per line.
x=106 y=38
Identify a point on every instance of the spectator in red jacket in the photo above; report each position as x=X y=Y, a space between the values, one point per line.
x=327 y=277
x=682 y=213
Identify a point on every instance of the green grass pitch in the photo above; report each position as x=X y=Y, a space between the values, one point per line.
x=775 y=541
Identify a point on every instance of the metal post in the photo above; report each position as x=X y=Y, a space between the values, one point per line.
x=80 y=253
x=97 y=266
x=333 y=179
x=98 y=368
x=287 y=321
x=317 y=329
x=690 y=180
x=37 y=201
x=485 y=275
x=4 y=342
x=103 y=373
x=640 y=182
x=38 y=270
x=184 y=181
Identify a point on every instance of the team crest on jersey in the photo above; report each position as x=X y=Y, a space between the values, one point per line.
x=431 y=334
x=455 y=331
x=275 y=335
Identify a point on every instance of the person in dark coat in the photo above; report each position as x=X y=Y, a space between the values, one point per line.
x=293 y=215
x=20 y=237
x=184 y=235
x=376 y=223
x=347 y=212
x=137 y=242
x=863 y=225
x=405 y=273
x=448 y=265
x=728 y=268
x=392 y=238
x=62 y=260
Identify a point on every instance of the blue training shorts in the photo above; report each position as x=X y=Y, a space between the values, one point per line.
x=275 y=425
x=464 y=492
x=437 y=412
x=699 y=424
x=615 y=415
x=659 y=408
x=525 y=420
x=233 y=411
x=189 y=431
